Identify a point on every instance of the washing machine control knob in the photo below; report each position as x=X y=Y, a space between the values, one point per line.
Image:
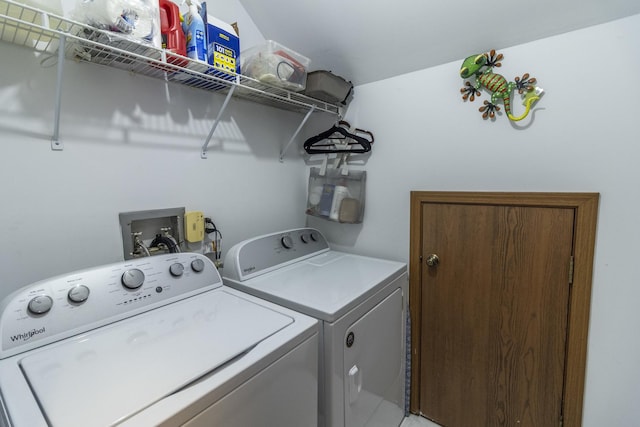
x=314 y=236
x=176 y=269
x=78 y=294
x=287 y=242
x=133 y=279
x=197 y=265
x=40 y=304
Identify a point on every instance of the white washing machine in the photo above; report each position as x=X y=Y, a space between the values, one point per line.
x=362 y=305
x=155 y=341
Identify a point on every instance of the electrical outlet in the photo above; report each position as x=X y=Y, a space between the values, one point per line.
x=194 y=226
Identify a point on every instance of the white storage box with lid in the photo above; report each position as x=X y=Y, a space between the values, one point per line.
x=326 y=86
x=277 y=65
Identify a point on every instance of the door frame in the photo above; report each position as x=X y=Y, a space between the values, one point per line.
x=585 y=206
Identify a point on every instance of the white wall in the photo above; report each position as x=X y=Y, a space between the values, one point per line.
x=130 y=143
x=583 y=136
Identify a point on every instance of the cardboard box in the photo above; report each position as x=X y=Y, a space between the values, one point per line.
x=223 y=49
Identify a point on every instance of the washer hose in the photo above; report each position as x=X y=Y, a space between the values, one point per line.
x=162 y=240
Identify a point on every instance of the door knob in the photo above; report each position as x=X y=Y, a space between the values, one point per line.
x=433 y=260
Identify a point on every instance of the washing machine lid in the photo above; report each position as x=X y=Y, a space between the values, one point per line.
x=325 y=286
x=109 y=374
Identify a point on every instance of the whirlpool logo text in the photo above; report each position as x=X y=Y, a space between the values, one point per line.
x=26 y=336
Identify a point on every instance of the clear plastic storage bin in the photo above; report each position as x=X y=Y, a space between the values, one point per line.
x=275 y=64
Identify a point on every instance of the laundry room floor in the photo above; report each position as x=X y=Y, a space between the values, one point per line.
x=416 y=421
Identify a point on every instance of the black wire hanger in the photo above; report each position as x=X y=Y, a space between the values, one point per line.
x=326 y=142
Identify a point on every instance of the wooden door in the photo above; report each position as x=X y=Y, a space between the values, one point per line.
x=494 y=312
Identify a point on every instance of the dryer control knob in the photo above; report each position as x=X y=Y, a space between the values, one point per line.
x=40 y=304
x=176 y=269
x=197 y=265
x=133 y=279
x=78 y=294
x=287 y=242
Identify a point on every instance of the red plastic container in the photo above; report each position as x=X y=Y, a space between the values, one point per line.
x=173 y=39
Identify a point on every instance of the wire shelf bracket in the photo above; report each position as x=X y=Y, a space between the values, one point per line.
x=56 y=144
x=304 y=120
x=203 y=153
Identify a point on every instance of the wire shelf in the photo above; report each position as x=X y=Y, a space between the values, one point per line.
x=42 y=31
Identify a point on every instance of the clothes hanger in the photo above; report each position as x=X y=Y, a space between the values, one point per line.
x=350 y=142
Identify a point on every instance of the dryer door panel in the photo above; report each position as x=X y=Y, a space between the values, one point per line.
x=374 y=366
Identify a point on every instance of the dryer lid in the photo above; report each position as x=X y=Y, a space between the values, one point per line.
x=325 y=286
x=105 y=376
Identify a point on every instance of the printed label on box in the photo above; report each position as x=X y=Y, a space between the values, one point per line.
x=224 y=59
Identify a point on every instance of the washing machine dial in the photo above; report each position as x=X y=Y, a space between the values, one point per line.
x=287 y=242
x=40 y=304
x=176 y=269
x=197 y=265
x=78 y=294
x=133 y=279
x=314 y=236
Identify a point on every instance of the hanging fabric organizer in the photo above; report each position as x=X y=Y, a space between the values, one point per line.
x=336 y=193
x=336 y=197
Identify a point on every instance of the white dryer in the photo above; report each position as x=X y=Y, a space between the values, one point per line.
x=362 y=305
x=150 y=342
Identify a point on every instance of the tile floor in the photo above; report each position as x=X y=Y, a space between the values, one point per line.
x=416 y=421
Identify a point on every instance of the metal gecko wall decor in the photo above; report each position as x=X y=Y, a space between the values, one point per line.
x=479 y=68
